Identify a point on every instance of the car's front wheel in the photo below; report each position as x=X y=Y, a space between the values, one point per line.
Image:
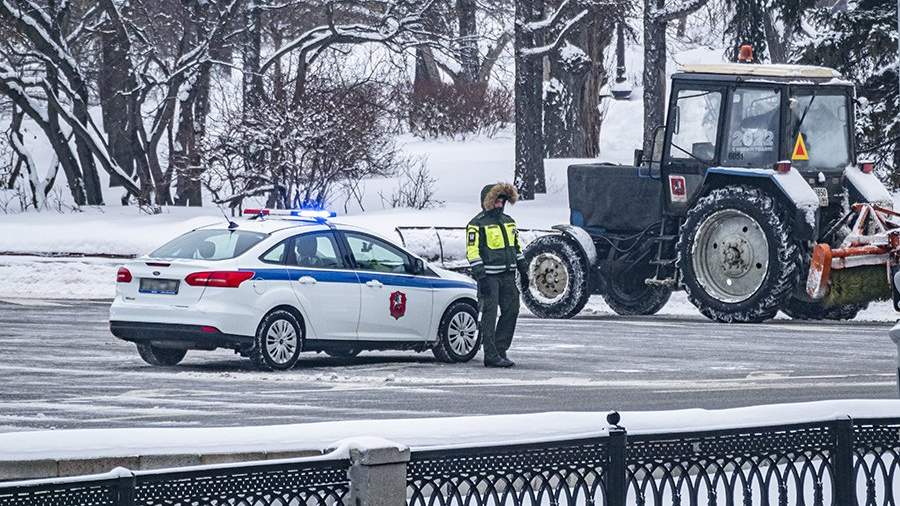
x=458 y=336
x=278 y=343
x=164 y=357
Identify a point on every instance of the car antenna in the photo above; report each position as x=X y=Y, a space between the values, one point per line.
x=231 y=225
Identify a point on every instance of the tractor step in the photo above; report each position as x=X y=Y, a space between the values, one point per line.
x=667 y=282
x=663 y=262
x=664 y=238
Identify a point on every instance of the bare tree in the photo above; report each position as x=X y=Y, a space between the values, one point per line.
x=657 y=16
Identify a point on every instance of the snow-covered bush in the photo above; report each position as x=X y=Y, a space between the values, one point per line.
x=299 y=153
x=415 y=189
x=437 y=109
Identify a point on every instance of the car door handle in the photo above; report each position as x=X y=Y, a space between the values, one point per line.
x=307 y=280
x=374 y=283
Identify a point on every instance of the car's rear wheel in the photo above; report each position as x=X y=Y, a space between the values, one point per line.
x=278 y=343
x=458 y=336
x=163 y=357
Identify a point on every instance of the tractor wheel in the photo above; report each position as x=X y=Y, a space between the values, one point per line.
x=628 y=295
x=559 y=277
x=804 y=310
x=737 y=257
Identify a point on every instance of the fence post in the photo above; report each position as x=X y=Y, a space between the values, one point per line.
x=842 y=464
x=615 y=474
x=124 y=486
x=378 y=476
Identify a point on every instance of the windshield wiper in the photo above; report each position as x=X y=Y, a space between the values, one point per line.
x=805 y=112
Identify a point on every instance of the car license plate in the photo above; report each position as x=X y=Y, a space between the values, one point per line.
x=822 y=193
x=159 y=286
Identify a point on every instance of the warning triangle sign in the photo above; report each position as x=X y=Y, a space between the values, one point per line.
x=800 y=152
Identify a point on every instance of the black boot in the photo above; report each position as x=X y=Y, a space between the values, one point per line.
x=498 y=362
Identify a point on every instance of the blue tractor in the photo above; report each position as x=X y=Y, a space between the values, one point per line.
x=752 y=201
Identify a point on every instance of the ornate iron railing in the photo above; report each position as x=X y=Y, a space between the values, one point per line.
x=834 y=463
x=570 y=472
x=318 y=483
x=839 y=463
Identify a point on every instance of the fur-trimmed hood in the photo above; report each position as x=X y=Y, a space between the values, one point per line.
x=491 y=192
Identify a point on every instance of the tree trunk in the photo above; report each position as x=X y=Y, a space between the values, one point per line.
x=774 y=42
x=654 y=78
x=529 y=171
x=466 y=11
x=572 y=115
x=251 y=43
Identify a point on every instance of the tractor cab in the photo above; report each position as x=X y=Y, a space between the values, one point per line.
x=734 y=117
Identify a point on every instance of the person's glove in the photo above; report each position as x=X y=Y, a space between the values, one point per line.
x=478 y=272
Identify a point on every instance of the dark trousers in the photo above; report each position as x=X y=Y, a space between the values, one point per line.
x=497 y=291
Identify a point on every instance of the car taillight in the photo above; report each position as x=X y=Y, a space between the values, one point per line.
x=123 y=275
x=783 y=166
x=867 y=166
x=218 y=279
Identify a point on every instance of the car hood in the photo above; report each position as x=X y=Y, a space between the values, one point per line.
x=446 y=274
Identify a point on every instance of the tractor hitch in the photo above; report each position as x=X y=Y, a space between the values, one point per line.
x=859 y=269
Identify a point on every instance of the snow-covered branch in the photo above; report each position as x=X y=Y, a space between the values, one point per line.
x=560 y=37
x=675 y=10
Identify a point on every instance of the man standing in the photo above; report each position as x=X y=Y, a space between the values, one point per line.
x=495 y=253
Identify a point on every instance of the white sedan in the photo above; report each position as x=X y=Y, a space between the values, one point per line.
x=274 y=286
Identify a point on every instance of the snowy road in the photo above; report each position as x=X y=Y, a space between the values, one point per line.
x=60 y=367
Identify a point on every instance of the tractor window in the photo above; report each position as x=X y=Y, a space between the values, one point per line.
x=823 y=122
x=753 y=120
x=696 y=125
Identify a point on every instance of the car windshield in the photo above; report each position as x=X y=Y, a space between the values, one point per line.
x=822 y=120
x=753 y=121
x=209 y=245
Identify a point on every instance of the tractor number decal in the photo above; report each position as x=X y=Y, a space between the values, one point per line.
x=398 y=305
x=677 y=189
x=800 y=151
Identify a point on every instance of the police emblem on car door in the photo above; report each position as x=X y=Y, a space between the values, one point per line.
x=398 y=305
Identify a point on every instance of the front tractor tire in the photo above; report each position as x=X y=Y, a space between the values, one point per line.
x=559 y=277
x=737 y=257
x=803 y=310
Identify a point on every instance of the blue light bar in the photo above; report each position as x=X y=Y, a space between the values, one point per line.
x=310 y=213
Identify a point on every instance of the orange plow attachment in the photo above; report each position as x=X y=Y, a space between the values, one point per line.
x=859 y=270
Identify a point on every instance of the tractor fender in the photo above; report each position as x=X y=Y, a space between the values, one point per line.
x=867 y=188
x=790 y=186
x=582 y=239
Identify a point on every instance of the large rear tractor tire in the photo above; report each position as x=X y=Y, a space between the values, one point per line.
x=559 y=277
x=628 y=295
x=737 y=257
x=804 y=310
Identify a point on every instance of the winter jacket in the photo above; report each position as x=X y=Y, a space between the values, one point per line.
x=492 y=239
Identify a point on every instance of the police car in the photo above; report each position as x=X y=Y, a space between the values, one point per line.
x=286 y=282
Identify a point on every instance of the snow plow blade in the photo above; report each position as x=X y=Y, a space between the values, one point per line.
x=859 y=270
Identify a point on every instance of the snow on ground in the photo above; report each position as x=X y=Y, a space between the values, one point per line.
x=417 y=433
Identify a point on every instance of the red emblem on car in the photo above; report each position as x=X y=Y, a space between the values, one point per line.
x=398 y=305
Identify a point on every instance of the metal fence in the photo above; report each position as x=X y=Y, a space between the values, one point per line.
x=841 y=463
x=447 y=245
x=322 y=483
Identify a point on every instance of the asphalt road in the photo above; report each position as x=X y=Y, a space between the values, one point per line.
x=60 y=368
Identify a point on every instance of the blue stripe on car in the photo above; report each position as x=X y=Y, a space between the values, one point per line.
x=341 y=276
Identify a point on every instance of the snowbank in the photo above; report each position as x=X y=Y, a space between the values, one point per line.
x=418 y=434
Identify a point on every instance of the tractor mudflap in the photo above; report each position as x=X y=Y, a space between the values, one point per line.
x=859 y=270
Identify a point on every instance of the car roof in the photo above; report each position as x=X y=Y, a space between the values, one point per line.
x=268 y=225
